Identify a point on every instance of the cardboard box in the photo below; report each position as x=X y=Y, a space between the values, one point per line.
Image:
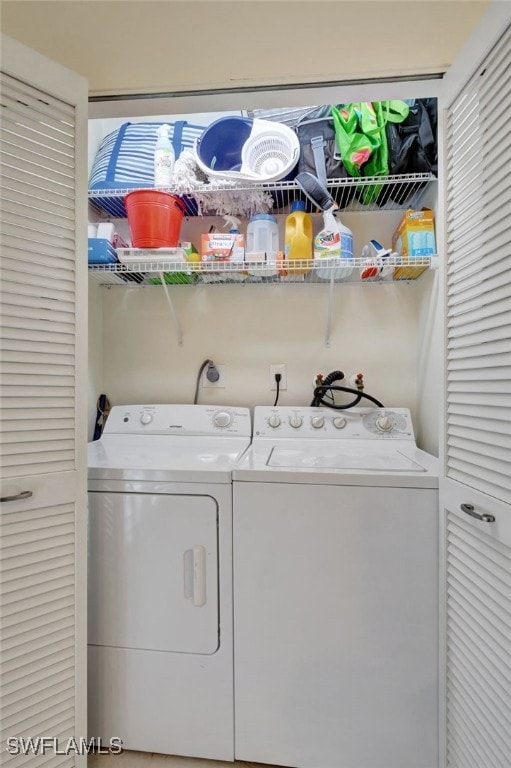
x=414 y=239
x=222 y=247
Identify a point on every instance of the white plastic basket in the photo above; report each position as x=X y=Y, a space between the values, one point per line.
x=271 y=152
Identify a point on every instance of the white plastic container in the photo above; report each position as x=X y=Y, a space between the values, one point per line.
x=262 y=244
x=333 y=249
x=164 y=158
x=106 y=231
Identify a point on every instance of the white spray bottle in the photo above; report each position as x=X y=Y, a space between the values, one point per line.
x=333 y=246
x=237 y=248
x=164 y=158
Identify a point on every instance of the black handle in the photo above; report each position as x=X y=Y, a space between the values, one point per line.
x=22 y=495
x=468 y=509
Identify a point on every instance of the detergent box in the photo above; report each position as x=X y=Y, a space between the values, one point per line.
x=413 y=239
x=223 y=247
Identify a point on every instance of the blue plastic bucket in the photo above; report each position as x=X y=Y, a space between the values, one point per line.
x=219 y=147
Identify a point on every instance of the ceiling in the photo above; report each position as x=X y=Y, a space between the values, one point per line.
x=170 y=46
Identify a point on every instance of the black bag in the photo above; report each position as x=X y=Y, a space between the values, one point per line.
x=319 y=154
x=413 y=143
x=412 y=147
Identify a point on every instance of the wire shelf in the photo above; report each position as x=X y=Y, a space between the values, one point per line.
x=373 y=193
x=149 y=270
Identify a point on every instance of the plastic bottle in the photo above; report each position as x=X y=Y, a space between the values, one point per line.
x=164 y=158
x=298 y=237
x=192 y=254
x=333 y=246
x=238 y=246
x=263 y=244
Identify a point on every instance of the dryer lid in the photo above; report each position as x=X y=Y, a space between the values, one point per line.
x=166 y=458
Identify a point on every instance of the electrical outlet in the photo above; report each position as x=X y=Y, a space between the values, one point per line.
x=283 y=376
x=205 y=382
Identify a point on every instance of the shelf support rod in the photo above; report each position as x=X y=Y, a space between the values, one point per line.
x=175 y=318
x=329 y=312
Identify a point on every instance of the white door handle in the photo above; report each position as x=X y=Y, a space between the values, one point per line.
x=194 y=562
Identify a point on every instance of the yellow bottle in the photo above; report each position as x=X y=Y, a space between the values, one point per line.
x=298 y=238
x=192 y=255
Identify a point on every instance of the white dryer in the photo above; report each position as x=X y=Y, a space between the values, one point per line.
x=160 y=578
x=336 y=591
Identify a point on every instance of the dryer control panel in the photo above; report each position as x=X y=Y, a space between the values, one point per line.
x=179 y=420
x=353 y=423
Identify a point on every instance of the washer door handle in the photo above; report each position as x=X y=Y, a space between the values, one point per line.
x=194 y=563
x=468 y=509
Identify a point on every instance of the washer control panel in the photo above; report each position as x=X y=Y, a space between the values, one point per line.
x=178 y=420
x=354 y=423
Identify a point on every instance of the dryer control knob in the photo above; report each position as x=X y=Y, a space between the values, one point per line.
x=317 y=422
x=274 y=421
x=146 y=418
x=384 y=423
x=296 y=421
x=339 y=422
x=222 y=419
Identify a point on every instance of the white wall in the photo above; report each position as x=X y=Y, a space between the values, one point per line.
x=431 y=344
x=142 y=46
x=248 y=327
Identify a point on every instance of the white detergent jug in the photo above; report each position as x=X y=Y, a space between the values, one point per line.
x=262 y=245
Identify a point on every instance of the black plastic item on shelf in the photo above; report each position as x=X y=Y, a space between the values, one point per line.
x=412 y=147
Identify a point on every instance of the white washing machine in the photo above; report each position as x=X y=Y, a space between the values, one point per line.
x=335 y=527
x=160 y=578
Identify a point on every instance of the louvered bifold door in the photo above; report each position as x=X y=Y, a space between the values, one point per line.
x=479 y=280
x=42 y=483
x=37 y=288
x=476 y=491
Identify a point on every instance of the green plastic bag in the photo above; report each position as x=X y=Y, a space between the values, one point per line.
x=362 y=140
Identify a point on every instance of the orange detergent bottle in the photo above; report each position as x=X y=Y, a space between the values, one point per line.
x=298 y=238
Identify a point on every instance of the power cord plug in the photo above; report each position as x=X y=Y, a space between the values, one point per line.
x=278 y=377
x=212 y=374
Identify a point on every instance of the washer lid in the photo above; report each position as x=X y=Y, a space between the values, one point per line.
x=343 y=457
x=333 y=462
x=166 y=458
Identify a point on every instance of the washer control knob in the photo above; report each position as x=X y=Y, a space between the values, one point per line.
x=146 y=418
x=274 y=421
x=222 y=419
x=296 y=421
x=339 y=422
x=384 y=423
x=317 y=422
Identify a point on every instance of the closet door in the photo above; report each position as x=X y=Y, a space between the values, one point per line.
x=42 y=420
x=476 y=488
